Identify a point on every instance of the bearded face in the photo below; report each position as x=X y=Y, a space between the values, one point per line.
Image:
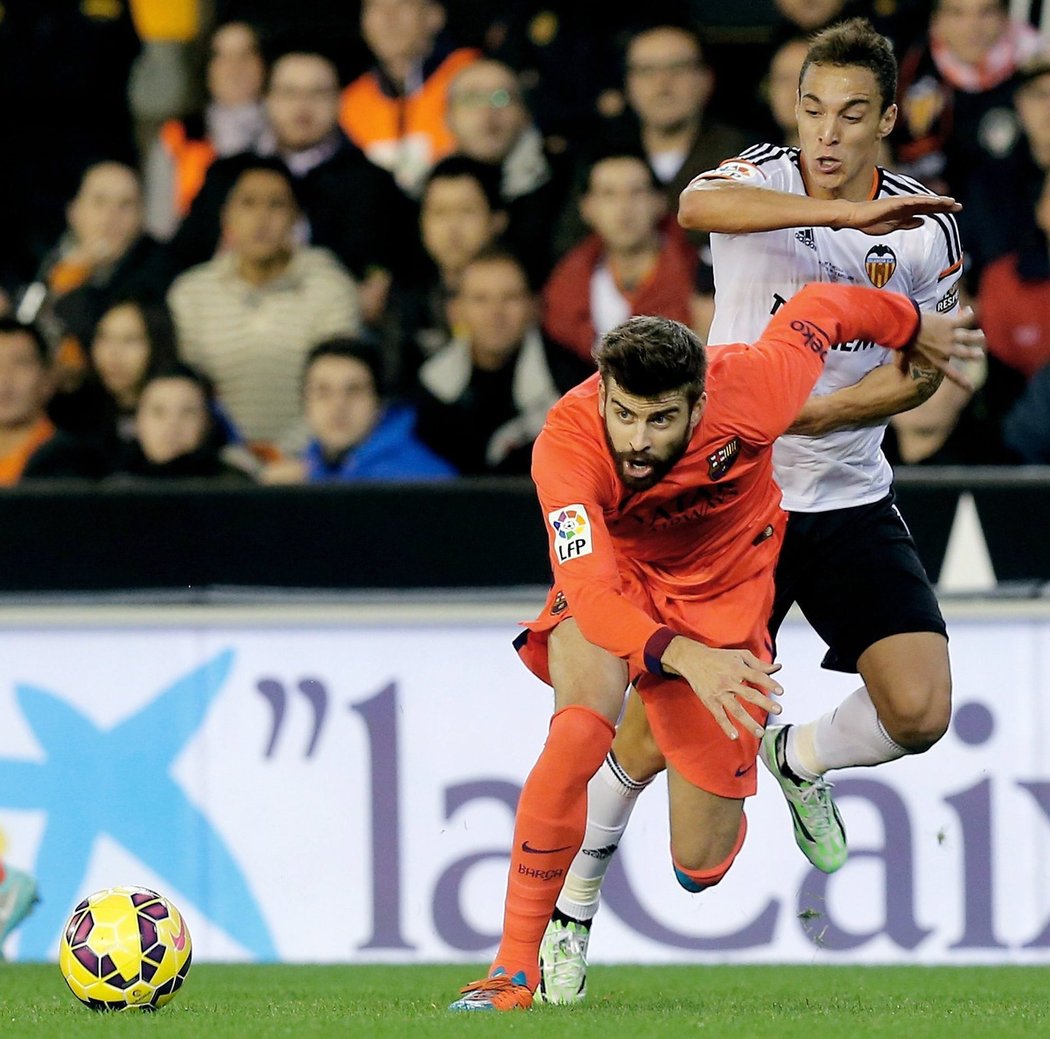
x=646 y=436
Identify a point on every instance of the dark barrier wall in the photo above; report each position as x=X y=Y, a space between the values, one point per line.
x=466 y=534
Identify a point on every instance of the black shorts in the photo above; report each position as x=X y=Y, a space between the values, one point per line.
x=856 y=575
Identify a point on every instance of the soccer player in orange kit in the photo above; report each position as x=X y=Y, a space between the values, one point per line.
x=655 y=477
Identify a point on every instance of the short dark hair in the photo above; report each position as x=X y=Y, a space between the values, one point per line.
x=158 y=323
x=856 y=42
x=608 y=152
x=250 y=163
x=9 y=326
x=299 y=45
x=187 y=372
x=650 y=356
x=683 y=28
x=488 y=175
x=350 y=348
x=500 y=254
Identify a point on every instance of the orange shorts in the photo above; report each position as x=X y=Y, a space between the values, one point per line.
x=684 y=729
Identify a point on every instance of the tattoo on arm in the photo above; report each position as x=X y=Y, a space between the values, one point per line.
x=927 y=380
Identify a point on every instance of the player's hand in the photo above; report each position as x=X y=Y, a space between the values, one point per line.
x=944 y=337
x=895 y=212
x=724 y=679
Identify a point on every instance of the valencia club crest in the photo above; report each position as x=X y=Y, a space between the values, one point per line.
x=880 y=263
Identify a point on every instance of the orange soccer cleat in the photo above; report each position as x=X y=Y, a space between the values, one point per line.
x=499 y=991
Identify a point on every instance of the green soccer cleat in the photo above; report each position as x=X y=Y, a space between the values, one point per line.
x=819 y=831
x=17 y=898
x=563 y=961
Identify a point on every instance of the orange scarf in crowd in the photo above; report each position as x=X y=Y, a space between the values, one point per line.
x=14 y=462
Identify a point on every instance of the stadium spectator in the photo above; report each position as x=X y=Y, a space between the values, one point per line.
x=636 y=260
x=26 y=382
x=232 y=121
x=17 y=898
x=669 y=84
x=956 y=90
x=396 y=112
x=248 y=317
x=351 y=207
x=96 y=421
x=484 y=396
x=104 y=255
x=357 y=432
x=461 y=214
x=490 y=122
x=176 y=434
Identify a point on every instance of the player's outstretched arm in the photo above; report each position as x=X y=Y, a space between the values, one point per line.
x=722 y=679
x=885 y=391
x=895 y=212
x=731 y=208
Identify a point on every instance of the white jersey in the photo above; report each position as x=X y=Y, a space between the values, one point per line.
x=757 y=273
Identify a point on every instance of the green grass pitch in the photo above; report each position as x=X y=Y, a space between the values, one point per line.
x=372 y=1002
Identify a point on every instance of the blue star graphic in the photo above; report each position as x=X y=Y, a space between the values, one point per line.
x=118 y=782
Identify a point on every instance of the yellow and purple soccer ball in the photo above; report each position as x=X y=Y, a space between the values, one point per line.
x=125 y=948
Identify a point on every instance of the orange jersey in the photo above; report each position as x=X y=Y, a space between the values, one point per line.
x=712 y=525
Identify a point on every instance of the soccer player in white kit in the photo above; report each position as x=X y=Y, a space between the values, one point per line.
x=781 y=217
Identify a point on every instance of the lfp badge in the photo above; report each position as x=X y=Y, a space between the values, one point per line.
x=572 y=532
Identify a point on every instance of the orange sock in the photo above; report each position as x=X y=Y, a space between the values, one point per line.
x=548 y=831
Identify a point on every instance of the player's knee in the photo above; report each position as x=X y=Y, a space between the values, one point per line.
x=919 y=727
x=700 y=877
x=637 y=754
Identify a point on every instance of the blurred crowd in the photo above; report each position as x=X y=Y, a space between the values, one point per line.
x=248 y=240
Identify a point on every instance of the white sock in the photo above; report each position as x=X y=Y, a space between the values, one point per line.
x=611 y=796
x=849 y=735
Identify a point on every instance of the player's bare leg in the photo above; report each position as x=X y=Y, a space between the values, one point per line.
x=552 y=812
x=635 y=746
x=908 y=678
x=903 y=707
x=707 y=832
x=629 y=767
